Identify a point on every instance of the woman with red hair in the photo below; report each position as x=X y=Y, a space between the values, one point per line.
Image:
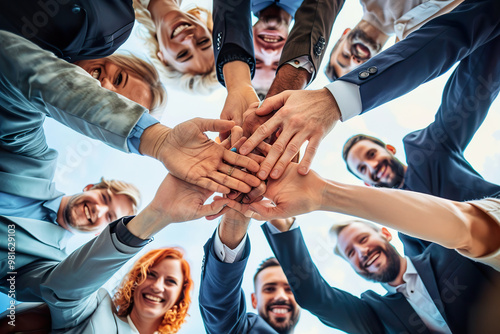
x=155 y=294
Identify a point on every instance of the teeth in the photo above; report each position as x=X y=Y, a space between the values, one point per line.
x=87 y=212
x=95 y=73
x=280 y=310
x=153 y=298
x=179 y=29
x=372 y=259
x=270 y=39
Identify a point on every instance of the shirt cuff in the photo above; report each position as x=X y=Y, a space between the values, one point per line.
x=274 y=230
x=348 y=98
x=226 y=254
x=305 y=63
x=134 y=138
x=125 y=237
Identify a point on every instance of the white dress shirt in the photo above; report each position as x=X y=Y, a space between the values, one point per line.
x=417 y=295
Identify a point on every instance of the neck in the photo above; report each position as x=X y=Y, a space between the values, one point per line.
x=145 y=326
x=61 y=220
x=159 y=8
x=402 y=268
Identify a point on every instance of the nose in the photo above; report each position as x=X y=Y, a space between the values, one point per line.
x=281 y=295
x=355 y=61
x=362 y=252
x=101 y=210
x=158 y=285
x=106 y=83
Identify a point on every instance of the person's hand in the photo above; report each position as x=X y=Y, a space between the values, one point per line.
x=190 y=156
x=291 y=195
x=302 y=116
x=252 y=121
x=237 y=102
x=175 y=201
x=240 y=93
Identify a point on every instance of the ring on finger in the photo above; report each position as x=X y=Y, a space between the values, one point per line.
x=230 y=171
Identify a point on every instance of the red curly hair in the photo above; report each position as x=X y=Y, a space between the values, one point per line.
x=124 y=300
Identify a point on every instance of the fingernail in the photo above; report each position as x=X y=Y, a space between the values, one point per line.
x=246 y=200
x=262 y=175
x=302 y=170
x=275 y=173
x=234 y=150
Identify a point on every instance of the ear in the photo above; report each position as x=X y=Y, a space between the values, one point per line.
x=88 y=186
x=160 y=56
x=385 y=232
x=390 y=148
x=254 y=300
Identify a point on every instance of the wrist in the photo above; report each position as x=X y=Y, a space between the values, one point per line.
x=233 y=230
x=148 y=222
x=237 y=75
x=289 y=78
x=153 y=139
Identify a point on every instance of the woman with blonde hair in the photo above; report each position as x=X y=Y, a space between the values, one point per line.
x=179 y=43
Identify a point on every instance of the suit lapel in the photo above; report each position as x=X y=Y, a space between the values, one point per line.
x=400 y=308
x=424 y=268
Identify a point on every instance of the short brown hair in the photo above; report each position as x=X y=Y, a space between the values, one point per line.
x=355 y=139
x=121 y=188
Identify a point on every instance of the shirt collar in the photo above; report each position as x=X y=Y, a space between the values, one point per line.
x=53 y=205
x=409 y=277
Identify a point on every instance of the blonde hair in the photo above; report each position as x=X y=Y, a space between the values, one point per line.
x=147 y=73
x=124 y=297
x=192 y=83
x=121 y=188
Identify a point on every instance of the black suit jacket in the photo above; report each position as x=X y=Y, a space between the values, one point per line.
x=455 y=283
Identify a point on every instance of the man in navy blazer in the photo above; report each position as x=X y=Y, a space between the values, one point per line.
x=222 y=300
x=434 y=292
x=466 y=34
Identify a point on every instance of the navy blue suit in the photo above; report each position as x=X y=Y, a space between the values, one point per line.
x=427 y=52
x=454 y=282
x=222 y=301
x=72 y=30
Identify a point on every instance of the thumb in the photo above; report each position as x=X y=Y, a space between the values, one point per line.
x=273 y=103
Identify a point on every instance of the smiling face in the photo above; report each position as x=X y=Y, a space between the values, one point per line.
x=369 y=252
x=355 y=47
x=269 y=37
x=93 y=209
x=185 y=43
x=375 y=165
x=116 y=79
x=274 y=300
x=159 y=292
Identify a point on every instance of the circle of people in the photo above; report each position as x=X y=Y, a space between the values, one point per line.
x=58 y=60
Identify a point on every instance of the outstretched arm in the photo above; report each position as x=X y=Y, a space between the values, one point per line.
x=451 y=224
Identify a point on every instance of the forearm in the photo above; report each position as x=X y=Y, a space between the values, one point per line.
x=423 y=216
x=237 y=75
x=289 y=78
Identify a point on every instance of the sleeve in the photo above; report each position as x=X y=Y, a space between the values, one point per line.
x=232 y=34
x=426 y=53
x=311 y=31
x=221 y=299
x=334 y=307
x=71 y=287
x=466 y=99
x=36 y=79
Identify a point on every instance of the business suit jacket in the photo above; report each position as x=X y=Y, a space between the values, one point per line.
x=221 y=299
x=72 y=30
x=71 y=285
x=426 y=53
x=453 y=282
x=35 y=84
x=232 y=32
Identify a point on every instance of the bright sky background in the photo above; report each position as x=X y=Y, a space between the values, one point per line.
x=83 y=161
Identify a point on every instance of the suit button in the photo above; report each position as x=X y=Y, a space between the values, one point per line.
x=363 y=75
x=76 y=9
x=372 y=69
